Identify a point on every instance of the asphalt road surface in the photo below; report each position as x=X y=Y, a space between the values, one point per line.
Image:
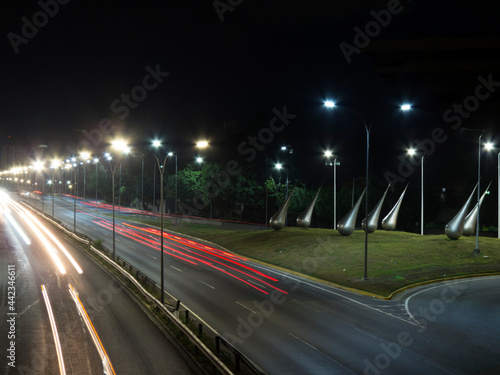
x=64 y=314
x=288 y=324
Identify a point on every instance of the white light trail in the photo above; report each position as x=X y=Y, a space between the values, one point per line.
x=60 y=359
x=56 y=241
x=108 y=368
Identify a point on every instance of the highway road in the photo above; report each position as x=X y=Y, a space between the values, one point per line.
x=65 y=314
x=288 y=324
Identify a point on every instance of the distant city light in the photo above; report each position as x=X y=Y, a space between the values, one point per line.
x=406 y=107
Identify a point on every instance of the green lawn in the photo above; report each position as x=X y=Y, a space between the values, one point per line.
x=395 y=259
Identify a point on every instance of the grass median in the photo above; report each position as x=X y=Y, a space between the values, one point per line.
x=395 y=259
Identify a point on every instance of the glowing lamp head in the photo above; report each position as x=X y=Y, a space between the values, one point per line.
x=329 y=103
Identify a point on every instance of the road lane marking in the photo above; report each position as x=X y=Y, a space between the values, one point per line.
x=248 y=308
x=255 y=283
x=303 y=304
x=372 y=336
x=305 y=342
x=149 y=255
x=210 y=286
x=439 y=367
x=175 y=268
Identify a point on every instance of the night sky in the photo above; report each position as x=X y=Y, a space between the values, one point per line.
x=232 y=64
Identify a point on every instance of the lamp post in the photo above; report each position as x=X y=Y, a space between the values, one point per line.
x=488 y=146
x=412 y=152
x=329 y=155
x=175 y=197
x=122 y=147
x=113 y=172
x=142 y=185
x=404 y=107
x=55 y=164
x=86 y=159
x=161 y=167
x=476 y=249
x=96 y=162
x=279 y=167
x=39 y=168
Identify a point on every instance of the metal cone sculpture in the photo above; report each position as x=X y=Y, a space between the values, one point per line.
x=347 y=223
x=455 y=228
x=471 y=219
x=389 y=222
x=374 y=215
x=304 y=219
x=278 y=220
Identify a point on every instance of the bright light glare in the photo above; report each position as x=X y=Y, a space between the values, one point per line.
x=279 y=165
x=85 y=155
x=329 y=104
x=328 y=154
x=120 y=145
x=202 y=144
x=411 y=151
x=156 y=143
x=199 y=159
x=406 y=107
x=38 y=165
x=488 y=146
x=54 y=331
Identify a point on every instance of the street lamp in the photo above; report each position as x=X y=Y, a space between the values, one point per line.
x=175 y=202
x=38 y=165
x=96 y=162
x=202 y=144
x=86 y=158
x=476 y=249
x=279 y=167
x=412 y=152
x=161 y=167
x=329 y=155
x=55 y=164
x=488 y=146
x=405 y=107
x=120 y=146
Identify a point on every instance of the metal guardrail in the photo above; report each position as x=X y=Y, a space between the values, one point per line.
x=142 y=282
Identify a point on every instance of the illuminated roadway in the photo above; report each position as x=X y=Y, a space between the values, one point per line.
x=288 y=324
x=67 y=315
